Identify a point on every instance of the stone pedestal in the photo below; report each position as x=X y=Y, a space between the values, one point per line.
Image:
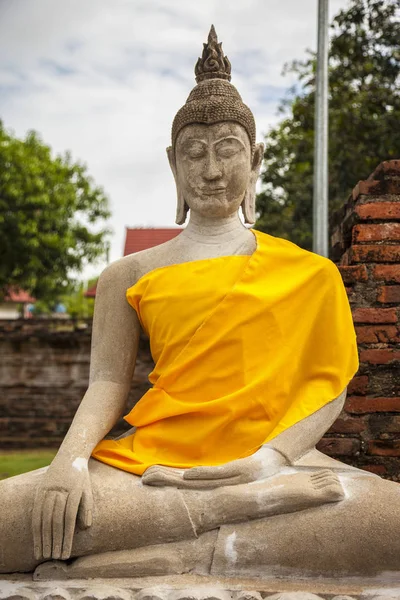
x=197 y=588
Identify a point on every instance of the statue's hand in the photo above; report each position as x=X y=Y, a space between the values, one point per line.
x=64 y=496
x=263 y=463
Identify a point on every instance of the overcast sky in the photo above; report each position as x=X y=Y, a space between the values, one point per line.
x=104 y=79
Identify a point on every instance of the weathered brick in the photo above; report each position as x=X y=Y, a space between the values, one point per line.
x=392 y=425
x=384 y=447
x=379 y=211
x=379 y=356
x=383 y=423
x=359 y=405
x=372 y=187
x=339 y=446
x=376 y=469
x=348 y=425
x=375 y=253
x=388 y=273
x=36 y=359
x=345 y=258
x=389 y=294
x=353 y=274
x=374 y=334
x=384 y=381
x=366 y=243
x=376 y=232
x=375 y=315
x=387 y=169
x=351 y=295
x=358 y=385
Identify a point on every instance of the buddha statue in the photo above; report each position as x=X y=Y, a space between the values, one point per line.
x=254 y=346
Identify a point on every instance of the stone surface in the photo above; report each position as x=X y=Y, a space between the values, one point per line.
x=194 y=588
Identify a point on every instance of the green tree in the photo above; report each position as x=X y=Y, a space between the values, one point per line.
x=51 y=217
x=364 y=116
x=76 y=304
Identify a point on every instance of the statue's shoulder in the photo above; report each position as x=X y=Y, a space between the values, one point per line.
x=283 y=251
x=129 y=269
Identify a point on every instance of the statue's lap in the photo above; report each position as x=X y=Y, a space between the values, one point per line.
x=357 y=536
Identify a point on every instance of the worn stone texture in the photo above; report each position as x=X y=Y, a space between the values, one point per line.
x=194 y=588
x=44 y=373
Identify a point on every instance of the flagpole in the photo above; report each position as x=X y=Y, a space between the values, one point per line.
x=320 y=199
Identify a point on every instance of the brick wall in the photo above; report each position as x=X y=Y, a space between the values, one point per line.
x=366 y=246
x=44 y=372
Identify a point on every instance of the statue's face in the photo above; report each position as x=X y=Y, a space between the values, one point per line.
x=213 y=167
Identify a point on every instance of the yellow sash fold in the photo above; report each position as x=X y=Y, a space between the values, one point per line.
x=244 y=348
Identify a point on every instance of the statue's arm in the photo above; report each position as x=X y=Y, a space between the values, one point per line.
x=115 y=340
x=65 y=491
x=302 y=437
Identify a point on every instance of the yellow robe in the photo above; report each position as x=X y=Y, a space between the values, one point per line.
x=244 y=347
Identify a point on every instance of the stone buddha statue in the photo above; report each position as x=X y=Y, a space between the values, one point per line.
x=254 y=346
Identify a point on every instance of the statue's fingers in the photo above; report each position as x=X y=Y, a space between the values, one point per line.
x=161 y=478
x=37 y=524
x=226 y=471
x=322 y=474
x=329 y=481
x=85 y=511
x=71 y=512
x=58 y=523
x=162 y=469
x=208 y=484
x=162 y=474
x=326 y=475
x=47 y=523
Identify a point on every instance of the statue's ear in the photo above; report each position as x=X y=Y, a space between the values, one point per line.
x=181 y=206
x=171 y=160
x=249 y=200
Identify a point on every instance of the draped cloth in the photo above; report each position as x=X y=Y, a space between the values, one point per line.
x=244 y=347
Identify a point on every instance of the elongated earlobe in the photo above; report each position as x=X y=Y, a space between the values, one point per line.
x=249 y=201
x=181 y=206
x=249 y=204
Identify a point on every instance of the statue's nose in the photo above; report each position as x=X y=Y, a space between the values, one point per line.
x=212 y=170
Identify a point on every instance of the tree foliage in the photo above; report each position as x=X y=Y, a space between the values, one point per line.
x=364 y=117
x=49 y=208
x=76 y=303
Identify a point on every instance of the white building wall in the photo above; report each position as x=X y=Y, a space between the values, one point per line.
x=9 y=310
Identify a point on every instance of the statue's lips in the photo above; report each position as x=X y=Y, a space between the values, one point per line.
x=214 y=191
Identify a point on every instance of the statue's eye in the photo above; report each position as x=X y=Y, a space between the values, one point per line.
x=195 y=150
x=228 y=147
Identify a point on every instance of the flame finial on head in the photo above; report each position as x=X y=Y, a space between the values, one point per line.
x=214 y=99
x=212 y=64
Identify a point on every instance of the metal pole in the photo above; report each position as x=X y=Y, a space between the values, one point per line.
x=320 y=205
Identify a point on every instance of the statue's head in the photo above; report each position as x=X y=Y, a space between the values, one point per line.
x=214 y=157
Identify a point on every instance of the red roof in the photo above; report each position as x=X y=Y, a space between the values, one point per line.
x=142 y=238
x=91 y=292
x=16 y=295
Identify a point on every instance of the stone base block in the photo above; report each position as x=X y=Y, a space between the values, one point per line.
x=22 y=587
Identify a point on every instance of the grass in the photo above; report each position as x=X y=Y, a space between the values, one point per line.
x=15 y=463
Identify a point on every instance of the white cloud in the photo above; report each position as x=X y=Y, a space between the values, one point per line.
x=105 y=79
